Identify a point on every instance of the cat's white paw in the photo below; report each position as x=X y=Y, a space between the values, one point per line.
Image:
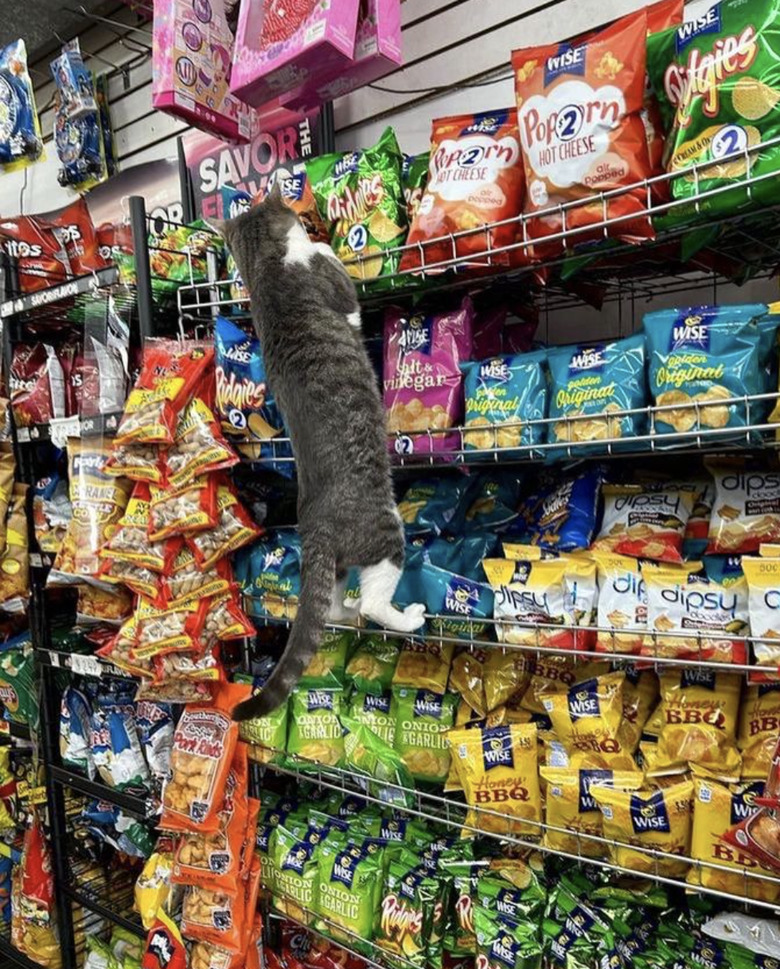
x=415 y=613
x=407 y=621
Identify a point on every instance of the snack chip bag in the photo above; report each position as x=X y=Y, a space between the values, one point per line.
x=467 y=678
x=570 y=805
x=361 y=199
x=293 y=854
x=20 y=138
x=506 y=674
x=640 y=694
x=579 y=113
x=759 y=722
x=594 y=383
x=502 y=942
x=716 y=807
x=406 y=912
x=461 y=603
x=622 y=604
x=15 y=558
x=693 y=609
x=430 y=505
x=73 y=226
x=486 y=149
x=703 y=355
x=349 y=888
x=560 y=513
x=36 y=384
x=316 y=738
x=658 y=820
x=548 y=669
x=763 y=581
x=371 y=666
x=424 y=666
x=422 y=719
x=297 y=194
x=274 y=582
x=375 y=712
x=497 y=768
x=698 y=716
x=645 y=521
x=414 y=177
x=746 y=510
x=422 y=378
x=502 y=396
x=326 y=669
x=717 y=122
x=116 y=749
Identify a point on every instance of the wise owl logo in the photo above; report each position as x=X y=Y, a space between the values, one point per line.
x=273 y=559
x=461 y=597
x=649 y=815
x=415 y=336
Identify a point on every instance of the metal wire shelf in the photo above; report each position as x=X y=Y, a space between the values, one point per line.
x=108 y=893
x=139 y=805
x=438 y=809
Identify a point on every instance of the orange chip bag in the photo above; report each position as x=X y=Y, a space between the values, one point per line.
x=475 y=177
x=214 y=860
x=233 y=529
x=581 y=131
x=213 y=916
x=177 y=511
x=201 y=756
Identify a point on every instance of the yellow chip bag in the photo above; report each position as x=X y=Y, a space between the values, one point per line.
x=716 y=807
x=759 y=724
x=622 y=603
x=467 y=678
x=506 y=674
x=699 y=715
x=640 y=694
x=424 y=666
x=658 y=820
x=763 y=578
x=569 y=804
x=497 y=767
x=467 y=718
x=153 y=887
x=557 y=669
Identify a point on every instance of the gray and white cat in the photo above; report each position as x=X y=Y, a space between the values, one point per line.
x=307 y=319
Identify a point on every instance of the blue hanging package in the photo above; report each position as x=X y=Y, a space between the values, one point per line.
x=20 y=130
x=74 y=82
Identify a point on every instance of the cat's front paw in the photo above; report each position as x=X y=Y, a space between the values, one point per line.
x=414 y=616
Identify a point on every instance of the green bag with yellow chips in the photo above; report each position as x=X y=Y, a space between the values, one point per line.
x=266 y=736
x=503 y=943
x=407 y=910
x=326 y=669
x=361 y=198
x=372 y=665
x=375 y=713
x=316 y=737
x=350 y=889
x=422 y=719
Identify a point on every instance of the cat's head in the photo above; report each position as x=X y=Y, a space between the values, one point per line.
x=257 y=231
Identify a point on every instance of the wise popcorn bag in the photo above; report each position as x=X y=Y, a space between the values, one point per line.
x=475 y=177
x=581 y=131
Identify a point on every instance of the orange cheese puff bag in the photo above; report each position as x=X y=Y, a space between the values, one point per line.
x=201 y=757
x=214 y=860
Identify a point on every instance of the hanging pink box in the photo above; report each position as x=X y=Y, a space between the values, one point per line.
x=303 y=41
x=377 y=52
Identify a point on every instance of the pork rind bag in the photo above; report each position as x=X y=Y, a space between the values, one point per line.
x=746 y=510
x=645 y=521
x=716 y=807
x=422 y=719
x=759 y=719
x=694 y=610
x=581 y=132
x=497 y=769
x=658 y=820
x=422 y=379
x=487 y=147
x=703 y=355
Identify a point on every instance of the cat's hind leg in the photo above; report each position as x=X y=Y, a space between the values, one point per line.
x=339 y=610
x=377 y=588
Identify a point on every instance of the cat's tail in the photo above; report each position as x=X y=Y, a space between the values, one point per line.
x=318 y=574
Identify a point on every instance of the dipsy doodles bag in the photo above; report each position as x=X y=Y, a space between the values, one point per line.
x=645 y=521
x=475 y=178
x=763 y=581
x=581 y=131
x=746 y=510
x=622 y=604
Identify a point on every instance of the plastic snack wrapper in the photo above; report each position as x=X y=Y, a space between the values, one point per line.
x=431 y=504
x=759 y=715
x=164 y=945
x=266 y=737
x=15 y=559
x=138 y=462
x=406 y=914
x=51 y=512
x=763 y=581
x=414 y=176
x=130 y=541
x=233 y=529
x=462 y=603
x=375 y=713
x=372 y=757
x=198 y=446
x=746 y=509
x=20 y=137
x=41 y=257
x=350 y=888
x=76 y=732
x=154 y=723
x=18 y=690
x=758 y=834
x=423 y=666
x=372 y=663
x=97 y=605
x=315 y=732
x=186 y=582
x=172 y=629
x=640 y=695
x=192 y=507
x=297 y=194
x=645 y=521
x=422 y=719
x=74 y=81
x=561 y=514
x=79 y=143
x=36 y=383
x=506 y=674
x=622 y=604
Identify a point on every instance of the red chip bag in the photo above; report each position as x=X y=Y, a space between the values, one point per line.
x=70 y=357
x=581 y=131
x=164 y=947
x=113 y=239
x=74 y=228
x=37 y=385
x=475 y=177
x=256 y=956
x=660 y=16
x=37 y=877
x=184 y=510
x=40 y=256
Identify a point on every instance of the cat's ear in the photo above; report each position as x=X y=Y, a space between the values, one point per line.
x=217 y=225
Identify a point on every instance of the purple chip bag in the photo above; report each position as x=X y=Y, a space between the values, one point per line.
x=422 y=378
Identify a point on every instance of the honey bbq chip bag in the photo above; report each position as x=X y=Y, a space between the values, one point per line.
x=581 y=131
x=360 y=197
x=759 y=722
x=475 y=177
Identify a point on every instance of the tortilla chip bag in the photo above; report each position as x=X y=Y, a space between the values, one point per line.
x=759 y=725
x=475 y=177
x=581 y=131
x=497 y=767
x=657 y=820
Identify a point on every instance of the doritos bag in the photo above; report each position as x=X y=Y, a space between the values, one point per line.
x=40 y=256
x=74 y=228
x=579 y=114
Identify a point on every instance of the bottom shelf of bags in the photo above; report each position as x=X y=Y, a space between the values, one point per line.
x=10 y=954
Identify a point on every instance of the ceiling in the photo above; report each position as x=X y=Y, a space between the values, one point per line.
x=36 y=21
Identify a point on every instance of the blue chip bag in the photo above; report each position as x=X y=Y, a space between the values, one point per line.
x=706 y=354
x=507 y=390
x=115 y=746
x=272 y=579
x=462 y=602
x=20 y=130
x=234 y=202
x=561 y=513
x=431 y=505
x=74 y=82
x=491 y=501
x=78 y=139
x=596 y=379
x=75 y=732
x=244 y=404
x=462 y=554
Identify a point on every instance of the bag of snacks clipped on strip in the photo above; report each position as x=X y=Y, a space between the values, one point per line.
x=502 y=396
x=486 y=148
x=497 y=769
x=203 y=746
x=759 y=721
x=20 y=138
x=693 y=609
x=590 y=385
x=655 y=820
x=645 y=521
x=233 y=529
x=36 y=383
x=422 y=378
x=579 y=109
x=698 y=725
x=763 y=581
x=746 y=509
x=198 y=447
x=361 y=200
x=422 y=719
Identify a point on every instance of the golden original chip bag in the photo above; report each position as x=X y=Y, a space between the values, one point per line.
x=716 y=807
x=759 y=725
x=570 y=804
x=763 y=580
x=698 y=716
x=622 y=604
x=497 y=768
x=746 y=510
x=658 y=820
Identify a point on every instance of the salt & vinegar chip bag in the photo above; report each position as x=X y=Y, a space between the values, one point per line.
x=581 y=131
x=475 y=177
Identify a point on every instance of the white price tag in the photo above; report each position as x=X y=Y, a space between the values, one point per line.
x=36 y=561
x=85 y=665
x=54 y=657
x=61 y=428
x=23 y=434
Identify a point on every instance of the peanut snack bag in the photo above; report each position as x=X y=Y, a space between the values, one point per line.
x=581 y=131
x=475 y=177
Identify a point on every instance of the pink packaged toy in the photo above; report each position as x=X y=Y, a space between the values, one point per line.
x=377 y=52
x=285 y=45
x=191 y=68
x=422 y=379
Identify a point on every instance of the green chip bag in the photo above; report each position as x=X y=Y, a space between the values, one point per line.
x=293 y=857
x=414 y=175
x=361 y=198
x=17 y=686
x=505 y=944
x=406 y=913
x=315 y=734
x=367 y=754
x=350 y=889
x=265 y=735
x=372 y=665
x=459 y=938
x=509 y=899
x=422 y=719
x=326 y=670
x=375 y=713
x=718 y=86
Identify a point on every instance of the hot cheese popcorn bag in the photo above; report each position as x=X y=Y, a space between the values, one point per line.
x=475 y=177
x=746 y=510
x=581 y=131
